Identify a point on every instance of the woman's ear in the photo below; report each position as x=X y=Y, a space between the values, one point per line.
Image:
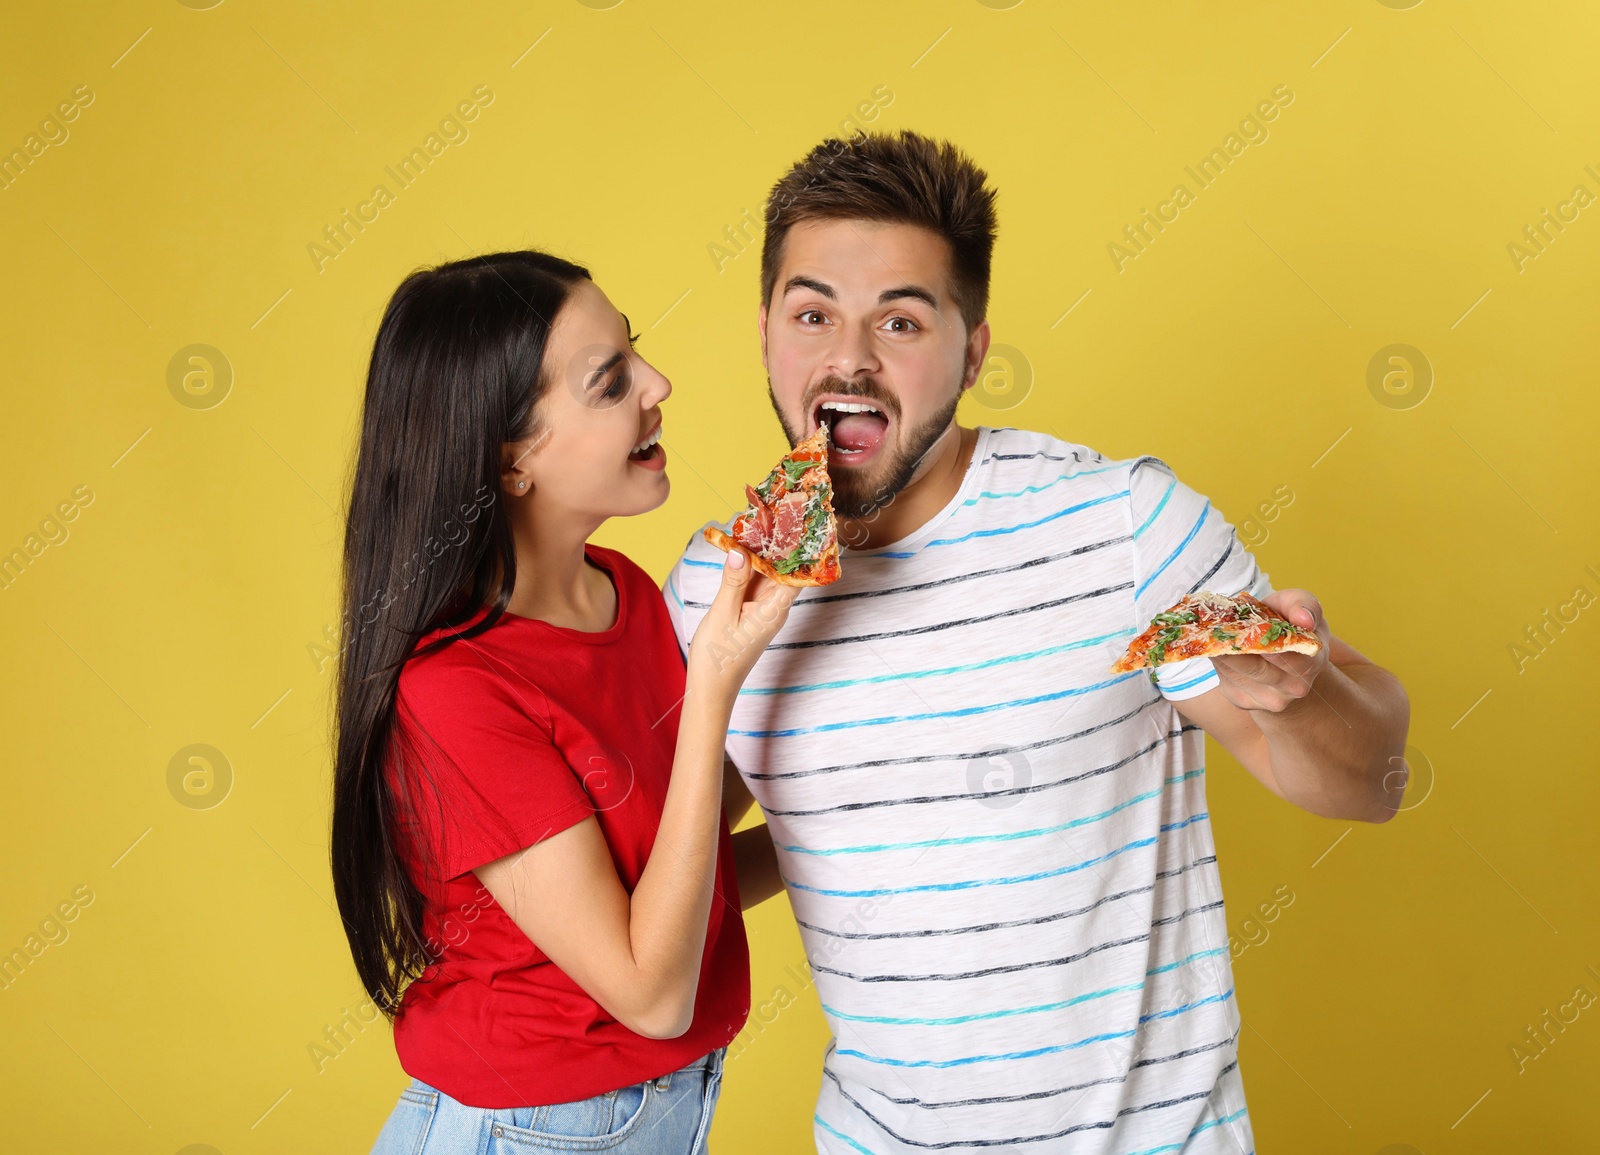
x=516 y=479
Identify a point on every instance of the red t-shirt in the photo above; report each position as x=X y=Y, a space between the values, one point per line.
x=525 y=730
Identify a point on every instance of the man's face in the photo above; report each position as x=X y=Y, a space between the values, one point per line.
x=861 y=316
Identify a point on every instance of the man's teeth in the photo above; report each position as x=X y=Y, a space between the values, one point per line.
x=648 y=441
x=850 y=407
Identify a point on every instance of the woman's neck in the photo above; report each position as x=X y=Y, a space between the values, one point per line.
x=555 y=582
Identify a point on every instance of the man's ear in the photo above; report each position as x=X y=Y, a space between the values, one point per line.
x=761 y=326
x=977 y=354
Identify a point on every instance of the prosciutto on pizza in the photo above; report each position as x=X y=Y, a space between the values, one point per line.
x=789 y=528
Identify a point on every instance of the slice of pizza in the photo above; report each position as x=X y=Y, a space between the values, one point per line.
x=789 y=528
x=1206 y=625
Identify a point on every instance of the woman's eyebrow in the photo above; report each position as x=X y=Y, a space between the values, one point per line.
x=601 y=369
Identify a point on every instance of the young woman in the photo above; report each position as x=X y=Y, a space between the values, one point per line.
x=529 y=849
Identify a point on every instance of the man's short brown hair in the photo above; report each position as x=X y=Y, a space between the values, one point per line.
x=894 y=178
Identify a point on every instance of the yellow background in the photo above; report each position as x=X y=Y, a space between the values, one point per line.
x=1380 y=1007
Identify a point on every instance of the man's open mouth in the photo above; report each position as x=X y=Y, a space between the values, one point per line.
x=856 y=426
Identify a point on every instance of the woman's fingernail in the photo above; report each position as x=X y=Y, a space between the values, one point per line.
x=735 y=559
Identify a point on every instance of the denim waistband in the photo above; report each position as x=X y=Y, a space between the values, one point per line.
x=710 y=1061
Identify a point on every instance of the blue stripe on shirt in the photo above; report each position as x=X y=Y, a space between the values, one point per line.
x=1210 y=673
x=970 y=839
x=837 y=1134
x=973 y=884
x=761 y=691
x=964 y=712
x=1174 y=555
x=956 y=1020
x=1040 y=488
x=1156 y=512
x=1201 y=1127
x=1003 y=530
x=1036 y=1052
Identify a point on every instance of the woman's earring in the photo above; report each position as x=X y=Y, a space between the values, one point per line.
x=522 y=485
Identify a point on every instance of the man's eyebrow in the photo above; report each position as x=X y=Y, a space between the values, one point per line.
x=908 y=291
x=808 y=283
x=884 y=297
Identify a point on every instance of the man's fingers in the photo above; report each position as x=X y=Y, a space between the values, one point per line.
x=1300 y=606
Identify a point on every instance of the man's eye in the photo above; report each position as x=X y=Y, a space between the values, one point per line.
x=906 y=323
x=812 y=317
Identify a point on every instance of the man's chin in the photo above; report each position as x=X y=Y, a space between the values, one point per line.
x=861 y=491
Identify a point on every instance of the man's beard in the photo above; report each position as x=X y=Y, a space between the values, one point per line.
x=857 y=493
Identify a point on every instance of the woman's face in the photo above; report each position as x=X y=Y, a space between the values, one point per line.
x=603 y=402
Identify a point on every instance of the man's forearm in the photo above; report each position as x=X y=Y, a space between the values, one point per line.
x=1329 y=751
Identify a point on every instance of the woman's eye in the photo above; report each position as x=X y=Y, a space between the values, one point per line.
x=618 y=385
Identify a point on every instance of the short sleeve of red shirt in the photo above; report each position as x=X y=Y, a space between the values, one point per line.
x=479 y=748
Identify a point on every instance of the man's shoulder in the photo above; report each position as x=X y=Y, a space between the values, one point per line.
x=1013 y=452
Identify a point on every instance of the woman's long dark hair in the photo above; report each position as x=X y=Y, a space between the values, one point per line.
x=456 y=373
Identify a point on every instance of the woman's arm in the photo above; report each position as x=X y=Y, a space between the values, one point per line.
x=639 y=955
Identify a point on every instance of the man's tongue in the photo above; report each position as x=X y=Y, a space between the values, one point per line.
x=858 y=431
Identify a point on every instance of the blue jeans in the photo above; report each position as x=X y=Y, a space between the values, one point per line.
x=666 y=1116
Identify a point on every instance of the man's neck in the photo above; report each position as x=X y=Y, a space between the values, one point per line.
x=929 y=491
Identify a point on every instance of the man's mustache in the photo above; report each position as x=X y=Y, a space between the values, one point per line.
x=864 y=387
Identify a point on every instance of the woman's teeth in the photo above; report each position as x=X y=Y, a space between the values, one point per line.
x=648 y=441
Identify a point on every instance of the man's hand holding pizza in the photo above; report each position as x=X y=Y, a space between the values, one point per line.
x=1277 y=683
x=1315 y=721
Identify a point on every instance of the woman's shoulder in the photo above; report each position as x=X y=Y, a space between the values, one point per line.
x=453 y=661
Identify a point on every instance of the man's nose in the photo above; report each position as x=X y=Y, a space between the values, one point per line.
x=852 y=352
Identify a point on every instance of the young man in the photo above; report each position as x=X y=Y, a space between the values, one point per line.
x=998 y=852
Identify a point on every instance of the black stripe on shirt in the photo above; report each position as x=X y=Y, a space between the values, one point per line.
x=1011 y=968
x=989 y=753
x=1014 y=791
x=945 y=581
x=992 y=1100
x=1076 y=1127
x=936 y=626
x=978 y=929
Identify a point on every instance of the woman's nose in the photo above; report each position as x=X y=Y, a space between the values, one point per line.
x=654 y=387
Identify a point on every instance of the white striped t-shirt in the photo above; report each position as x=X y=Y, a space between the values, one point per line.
x=997 y=850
